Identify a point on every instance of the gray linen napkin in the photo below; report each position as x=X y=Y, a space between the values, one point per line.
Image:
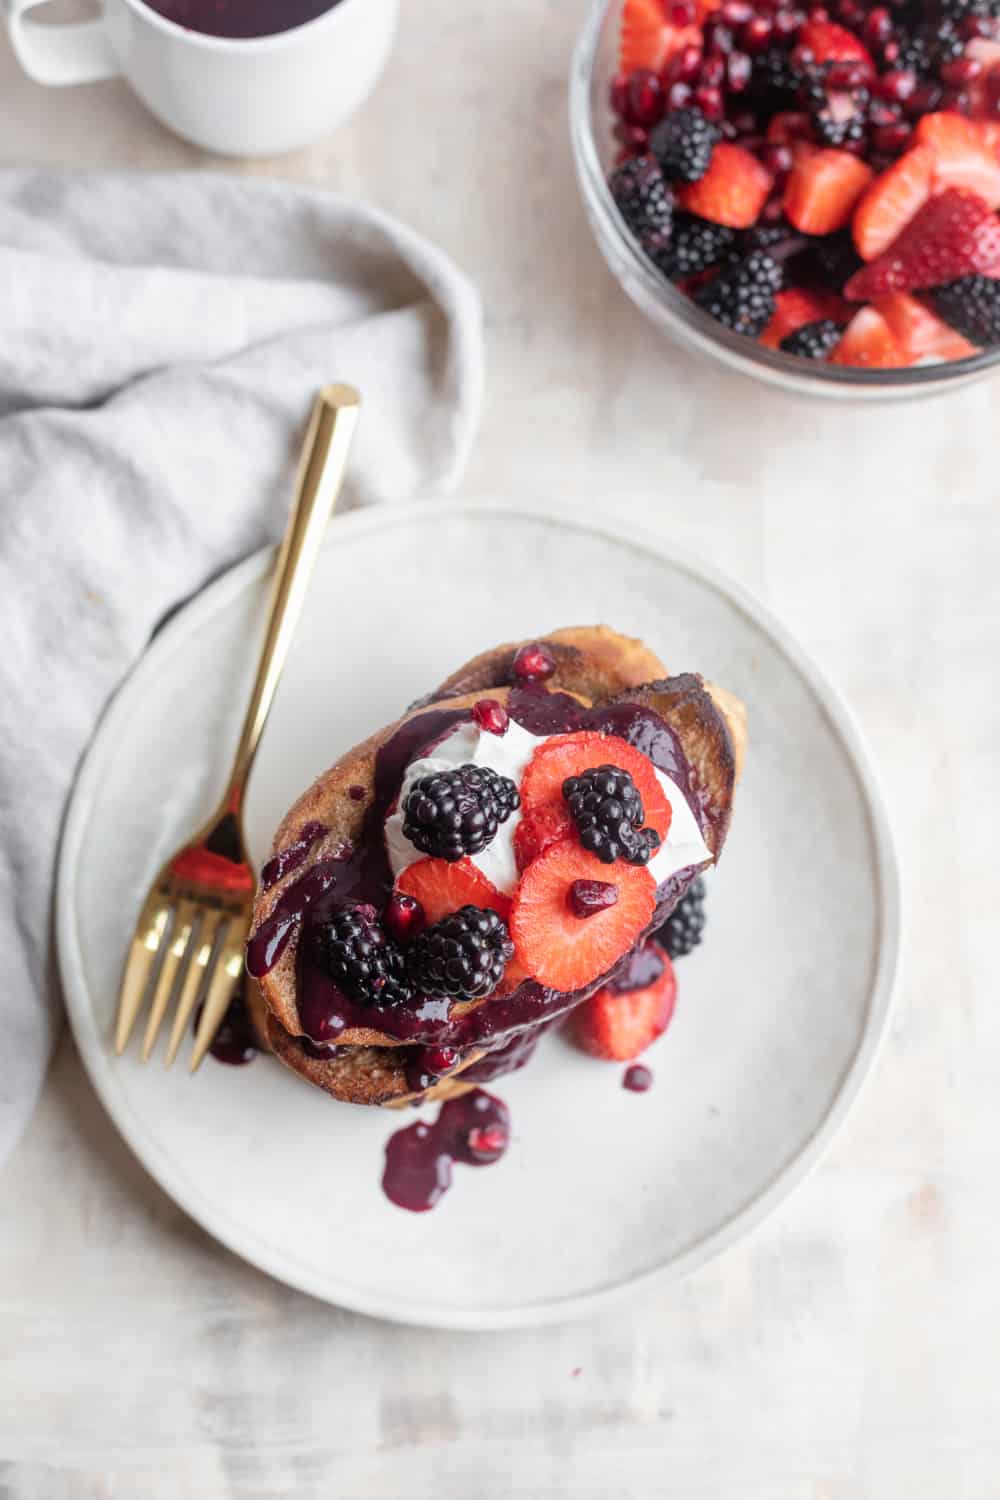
x=161 y=340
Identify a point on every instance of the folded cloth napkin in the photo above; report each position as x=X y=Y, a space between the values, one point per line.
x=161 y=341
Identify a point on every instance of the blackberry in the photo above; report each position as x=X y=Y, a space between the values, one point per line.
x=681 y=932
x=683 y=143
x=463 y=956
x=774 y=77
x=697 y=245
x=358 y=956
x=449 y=814
x=742 y=297
x=644 y=201
x=608 y=812
x=972 y=306
x=813 y=340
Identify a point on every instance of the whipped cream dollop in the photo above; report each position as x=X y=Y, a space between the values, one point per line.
x=508 y=754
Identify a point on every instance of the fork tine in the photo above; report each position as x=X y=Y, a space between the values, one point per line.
x=199 y=969
x=220 y=991
x=142 y=957
x=170 y=969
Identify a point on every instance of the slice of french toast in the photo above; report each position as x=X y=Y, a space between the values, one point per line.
x=593 y=667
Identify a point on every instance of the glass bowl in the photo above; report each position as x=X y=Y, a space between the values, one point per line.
x=594 y=67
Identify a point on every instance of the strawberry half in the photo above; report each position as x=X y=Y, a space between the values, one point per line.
x=561 y=950
x=618 y=1027
x=830 y=43
x=963 y=158
x=893 y=199
x=868 y=343
x=797 y=307
x=538 y=829
x=442 y=888
x=823 y=188
x=955 y=234
x=733 y=190
x=648 y=38
x=570 y=754
x=919 y=331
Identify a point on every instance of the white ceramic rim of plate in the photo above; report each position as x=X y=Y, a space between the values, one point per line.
x=99 y=1060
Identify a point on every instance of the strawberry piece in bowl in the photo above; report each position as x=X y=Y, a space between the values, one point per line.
x=894 y=198
x=963 y=159
x=565 y=951
x=919 y=331
x=733 y=190
x=955 y=234
x=822 y=190
x=869 y=344
x=619 y=1025
x=649 y=39
x=801 y=306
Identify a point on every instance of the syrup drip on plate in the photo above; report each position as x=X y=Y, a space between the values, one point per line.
x=474 y=1130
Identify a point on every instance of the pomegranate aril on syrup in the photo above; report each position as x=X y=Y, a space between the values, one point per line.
x=491 y=716
x=534 y=663
x=404 y=917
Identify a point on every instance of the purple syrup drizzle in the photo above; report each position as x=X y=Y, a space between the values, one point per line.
x=235 y=1043
x=474 y=1129
x=289 y=858
x=642 y=967
x=638 y=1078
x=362 y=874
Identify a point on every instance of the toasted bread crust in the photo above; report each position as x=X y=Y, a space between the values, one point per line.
x=595 y=665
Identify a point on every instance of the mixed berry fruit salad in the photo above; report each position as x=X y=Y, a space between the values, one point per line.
x=821 y=179
x=522 y=848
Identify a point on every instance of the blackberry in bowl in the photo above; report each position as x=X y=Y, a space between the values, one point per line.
x=796 y=189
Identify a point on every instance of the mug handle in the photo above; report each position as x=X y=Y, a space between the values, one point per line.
x=59 y=55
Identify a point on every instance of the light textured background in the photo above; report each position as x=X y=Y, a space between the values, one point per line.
x=849 y=1352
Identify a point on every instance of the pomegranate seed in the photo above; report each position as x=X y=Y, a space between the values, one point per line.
x=738 y=70
x=756 y=34
x=686 y=65
x=678 y=95
x=962 y=70
x=851 y=14
x=619 y=96
x=644 y=98
x=974 y=26
x=404 y=916
x=778 y=160
x=773 y=211
x=924 y=101
x=735 y=12
x=491 y=716
x=744 y=122
x=718 y=39
x=713 y=71
x=534 y=663
x=681 y=13
x=819 y=13
x=788 y=23
x=877 y=28
x=632 y=136
x=709 y=100
x=892 y=139
x=587 y=897
x=898 y=85
x=880 y=112
x=958 y=100
x=439 y=1060
x=890 y=53
x=847 y=75
x=803 y=58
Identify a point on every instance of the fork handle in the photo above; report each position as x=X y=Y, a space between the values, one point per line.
x=321 y=474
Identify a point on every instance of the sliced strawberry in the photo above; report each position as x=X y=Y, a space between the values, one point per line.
x=618 y=1026
x=954 y=234
x=648 y=38
x=830 y=43
x=822 y=190
x=561 y=950
x=868 y=343
x=797 y=307
x=733 y=190
x=442 y=888
x=892 y=200
x=569 y=755
x=538 y=829
x=963 y=158
x=919 y=331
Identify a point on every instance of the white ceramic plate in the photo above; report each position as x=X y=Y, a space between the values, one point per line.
x=779 y=1013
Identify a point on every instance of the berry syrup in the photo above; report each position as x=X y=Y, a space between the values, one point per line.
x=638 y=1079
x=474 y=1129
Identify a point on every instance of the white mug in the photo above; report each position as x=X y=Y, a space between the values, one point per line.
x=247 y=97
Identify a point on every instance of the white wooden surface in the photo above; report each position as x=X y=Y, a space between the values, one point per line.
x=849 y=1352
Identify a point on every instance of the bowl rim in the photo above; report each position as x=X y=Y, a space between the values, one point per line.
x=700 y=329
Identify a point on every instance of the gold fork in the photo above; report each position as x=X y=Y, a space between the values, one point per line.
x=190 y=935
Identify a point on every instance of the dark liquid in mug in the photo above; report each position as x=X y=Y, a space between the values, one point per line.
x=240 y=18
